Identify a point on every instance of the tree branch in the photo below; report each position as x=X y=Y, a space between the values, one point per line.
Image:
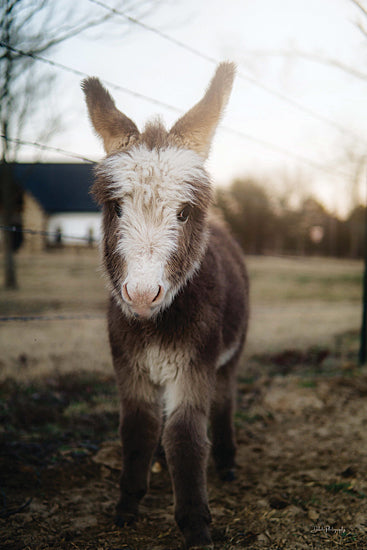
x=315 y=58
x=359 y=6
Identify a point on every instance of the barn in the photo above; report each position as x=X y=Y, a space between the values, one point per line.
x=56 y=200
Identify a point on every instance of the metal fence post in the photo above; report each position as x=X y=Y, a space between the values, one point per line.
x=363 y=342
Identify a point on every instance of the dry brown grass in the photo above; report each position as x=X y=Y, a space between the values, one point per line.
x=300 y=420
x=295 y=303
x=303 y=302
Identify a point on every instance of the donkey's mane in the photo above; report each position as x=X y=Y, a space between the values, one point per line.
x=154 y=135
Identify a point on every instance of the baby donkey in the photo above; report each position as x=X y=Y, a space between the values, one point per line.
x=178 y=305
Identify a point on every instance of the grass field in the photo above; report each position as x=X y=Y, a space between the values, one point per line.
x=295 y=303
x=300 y=420
x=303 y=302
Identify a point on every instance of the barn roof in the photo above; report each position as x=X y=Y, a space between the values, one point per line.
x=58 y=187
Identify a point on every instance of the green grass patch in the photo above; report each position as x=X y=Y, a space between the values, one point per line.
x=344 y=487
x=328 y=280
x=242 y=417
x=307 y=384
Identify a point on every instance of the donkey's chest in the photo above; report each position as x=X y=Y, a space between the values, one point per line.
x=162 y=364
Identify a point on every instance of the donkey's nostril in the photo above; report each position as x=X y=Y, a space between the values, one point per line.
x=158 y=294
x=138 y=297
x=125 y=293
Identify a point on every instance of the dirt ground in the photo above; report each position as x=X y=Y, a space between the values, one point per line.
x=301 y=416
x=301 y=464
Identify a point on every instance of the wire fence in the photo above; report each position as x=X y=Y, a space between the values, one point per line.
x=82 y=74
x=292 y=103
x=27 y=318
x=247 y=78
x=240 y=134
x=56 y=235
x=45 y=147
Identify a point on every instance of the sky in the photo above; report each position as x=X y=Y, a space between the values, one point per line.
x=291 y=150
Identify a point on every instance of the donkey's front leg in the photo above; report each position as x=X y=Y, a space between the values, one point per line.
x=139 y=429
x=187 y=447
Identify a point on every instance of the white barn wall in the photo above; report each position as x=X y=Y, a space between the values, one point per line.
x=76 y=224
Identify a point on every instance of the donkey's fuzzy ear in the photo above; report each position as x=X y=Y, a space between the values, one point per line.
x=196 y=128
x=116 y=129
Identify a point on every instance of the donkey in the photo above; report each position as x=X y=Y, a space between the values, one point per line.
x=178 y=305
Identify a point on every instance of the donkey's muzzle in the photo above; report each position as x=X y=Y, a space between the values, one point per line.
x=142 y=301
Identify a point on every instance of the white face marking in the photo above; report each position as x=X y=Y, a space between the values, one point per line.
x=151 y=187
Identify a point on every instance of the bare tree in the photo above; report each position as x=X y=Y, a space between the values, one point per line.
x=353 y=156
x=319 y=58
x=29 y=28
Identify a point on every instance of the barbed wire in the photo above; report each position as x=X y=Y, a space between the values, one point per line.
x=62 y=317
x=53 y=234
x=275 y=93
x=286 y=152
x=47 y=148
x=238 y=133
x=255 y=82
x=154 y=30
x=263 y=143
x=82 y=74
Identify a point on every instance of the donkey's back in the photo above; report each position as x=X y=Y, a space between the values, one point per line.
x=179 y=301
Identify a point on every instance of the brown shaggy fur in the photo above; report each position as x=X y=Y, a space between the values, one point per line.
x=185 y=357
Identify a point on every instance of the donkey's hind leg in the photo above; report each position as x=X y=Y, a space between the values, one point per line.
x=222 y=426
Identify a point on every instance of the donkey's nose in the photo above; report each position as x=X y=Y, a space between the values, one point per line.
x=142 y=300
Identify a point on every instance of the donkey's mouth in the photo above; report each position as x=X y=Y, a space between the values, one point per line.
x=142 y=312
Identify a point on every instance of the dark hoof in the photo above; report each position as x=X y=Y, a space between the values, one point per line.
x=198 y=539
x=122 y=520
x=227 y=475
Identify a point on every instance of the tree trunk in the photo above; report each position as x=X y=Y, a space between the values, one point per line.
x=7 y=201
x=7 y=187
x=363 y=339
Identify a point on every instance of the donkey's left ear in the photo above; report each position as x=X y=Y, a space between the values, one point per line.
x=115 y=128
x=196 y=128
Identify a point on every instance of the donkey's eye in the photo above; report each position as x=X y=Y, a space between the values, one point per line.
x=118 y=209
x=184 y=214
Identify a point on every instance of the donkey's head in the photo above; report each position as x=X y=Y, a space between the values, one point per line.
x=155 y=194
